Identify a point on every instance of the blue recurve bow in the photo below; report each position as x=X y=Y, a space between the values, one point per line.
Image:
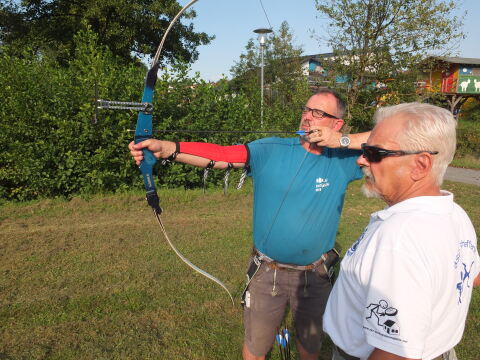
x=144 y=131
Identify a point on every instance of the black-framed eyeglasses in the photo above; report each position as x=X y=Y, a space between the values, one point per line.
x=375 y=154
x=317 y=113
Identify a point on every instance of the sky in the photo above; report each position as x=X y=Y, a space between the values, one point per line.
x=233 y=22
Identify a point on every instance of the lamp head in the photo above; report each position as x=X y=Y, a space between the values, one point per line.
x=262 y=35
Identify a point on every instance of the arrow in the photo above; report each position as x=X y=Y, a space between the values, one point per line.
x=280 y=341
x=298 y=132
x=286 y=336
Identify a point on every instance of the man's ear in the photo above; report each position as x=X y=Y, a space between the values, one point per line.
x=422 y=166
x=338 y=124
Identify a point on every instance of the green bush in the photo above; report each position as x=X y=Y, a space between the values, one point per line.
x=468 y=135
x=50 y=147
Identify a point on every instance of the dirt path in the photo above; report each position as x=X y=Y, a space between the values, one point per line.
x=467 y=176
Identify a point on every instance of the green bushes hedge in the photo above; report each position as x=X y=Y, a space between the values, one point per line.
x=50 y=147
x=468 y=136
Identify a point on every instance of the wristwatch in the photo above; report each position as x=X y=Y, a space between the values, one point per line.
x=344 y=141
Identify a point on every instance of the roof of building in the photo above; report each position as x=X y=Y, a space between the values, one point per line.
x=316 y=57
x=448 y=59
x=459 y=60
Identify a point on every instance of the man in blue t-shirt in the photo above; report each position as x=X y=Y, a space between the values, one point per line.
x=299 y=187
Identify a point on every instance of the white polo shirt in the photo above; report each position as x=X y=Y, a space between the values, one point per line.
x=405 y=284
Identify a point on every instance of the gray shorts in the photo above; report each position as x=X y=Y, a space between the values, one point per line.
x=306 y=292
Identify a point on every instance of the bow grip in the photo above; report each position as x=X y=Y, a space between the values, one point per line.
x=146 y=165
x=146 y=168
x=148 y=157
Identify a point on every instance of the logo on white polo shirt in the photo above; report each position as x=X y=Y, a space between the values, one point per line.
x=355 y=244
x=463 y=264
x=321 y=183
x=464 y=280
x=382 y=317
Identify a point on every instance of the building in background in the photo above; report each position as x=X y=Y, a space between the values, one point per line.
x=456 y=78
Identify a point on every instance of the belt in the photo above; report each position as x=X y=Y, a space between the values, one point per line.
x=282 y=266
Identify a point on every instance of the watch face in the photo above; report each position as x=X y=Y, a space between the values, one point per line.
x=344 y=141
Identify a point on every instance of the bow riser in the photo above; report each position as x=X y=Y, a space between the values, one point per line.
x=143 y=131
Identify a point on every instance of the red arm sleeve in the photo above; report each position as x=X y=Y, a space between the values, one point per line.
x=231 y=154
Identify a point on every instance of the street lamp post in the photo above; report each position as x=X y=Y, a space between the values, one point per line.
x=262 y=37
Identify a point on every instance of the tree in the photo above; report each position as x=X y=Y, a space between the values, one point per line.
x=282 y=62
x=374 y=40
x=284 y=81
x=129 y=28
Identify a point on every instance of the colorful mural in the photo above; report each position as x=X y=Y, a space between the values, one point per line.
x=453 y=76
x=468 y=84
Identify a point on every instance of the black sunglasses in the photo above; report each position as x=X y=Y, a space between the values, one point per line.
x=375 y=154
x=317 y=113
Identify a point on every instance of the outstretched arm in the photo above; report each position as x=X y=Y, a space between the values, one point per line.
x=325 y=136
x=196 y=154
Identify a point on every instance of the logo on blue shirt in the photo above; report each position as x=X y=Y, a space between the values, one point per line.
x=321 y=183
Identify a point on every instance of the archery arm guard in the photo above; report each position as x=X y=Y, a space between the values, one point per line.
x=230 y=154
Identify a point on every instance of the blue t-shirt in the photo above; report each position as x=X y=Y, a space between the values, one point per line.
x=298 y=197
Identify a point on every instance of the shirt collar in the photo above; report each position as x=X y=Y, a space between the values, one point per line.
x=431 y=204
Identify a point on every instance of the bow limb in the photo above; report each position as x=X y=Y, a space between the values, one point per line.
x=156 y=58
x=193 y=266
x=143 y=131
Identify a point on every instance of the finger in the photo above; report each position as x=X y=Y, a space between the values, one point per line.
x=137 y=155
x=138 y=159
x=316 y=131
x=142 y=144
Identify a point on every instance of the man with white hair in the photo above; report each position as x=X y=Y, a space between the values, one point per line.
x=405 y=284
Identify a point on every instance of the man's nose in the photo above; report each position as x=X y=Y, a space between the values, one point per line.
x=307 y=117
x=362 y=161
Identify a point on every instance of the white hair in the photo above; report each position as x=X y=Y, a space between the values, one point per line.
x=427 y=127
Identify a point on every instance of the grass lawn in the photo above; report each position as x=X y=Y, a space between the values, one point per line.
x=94 y=279
x=467 y=162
